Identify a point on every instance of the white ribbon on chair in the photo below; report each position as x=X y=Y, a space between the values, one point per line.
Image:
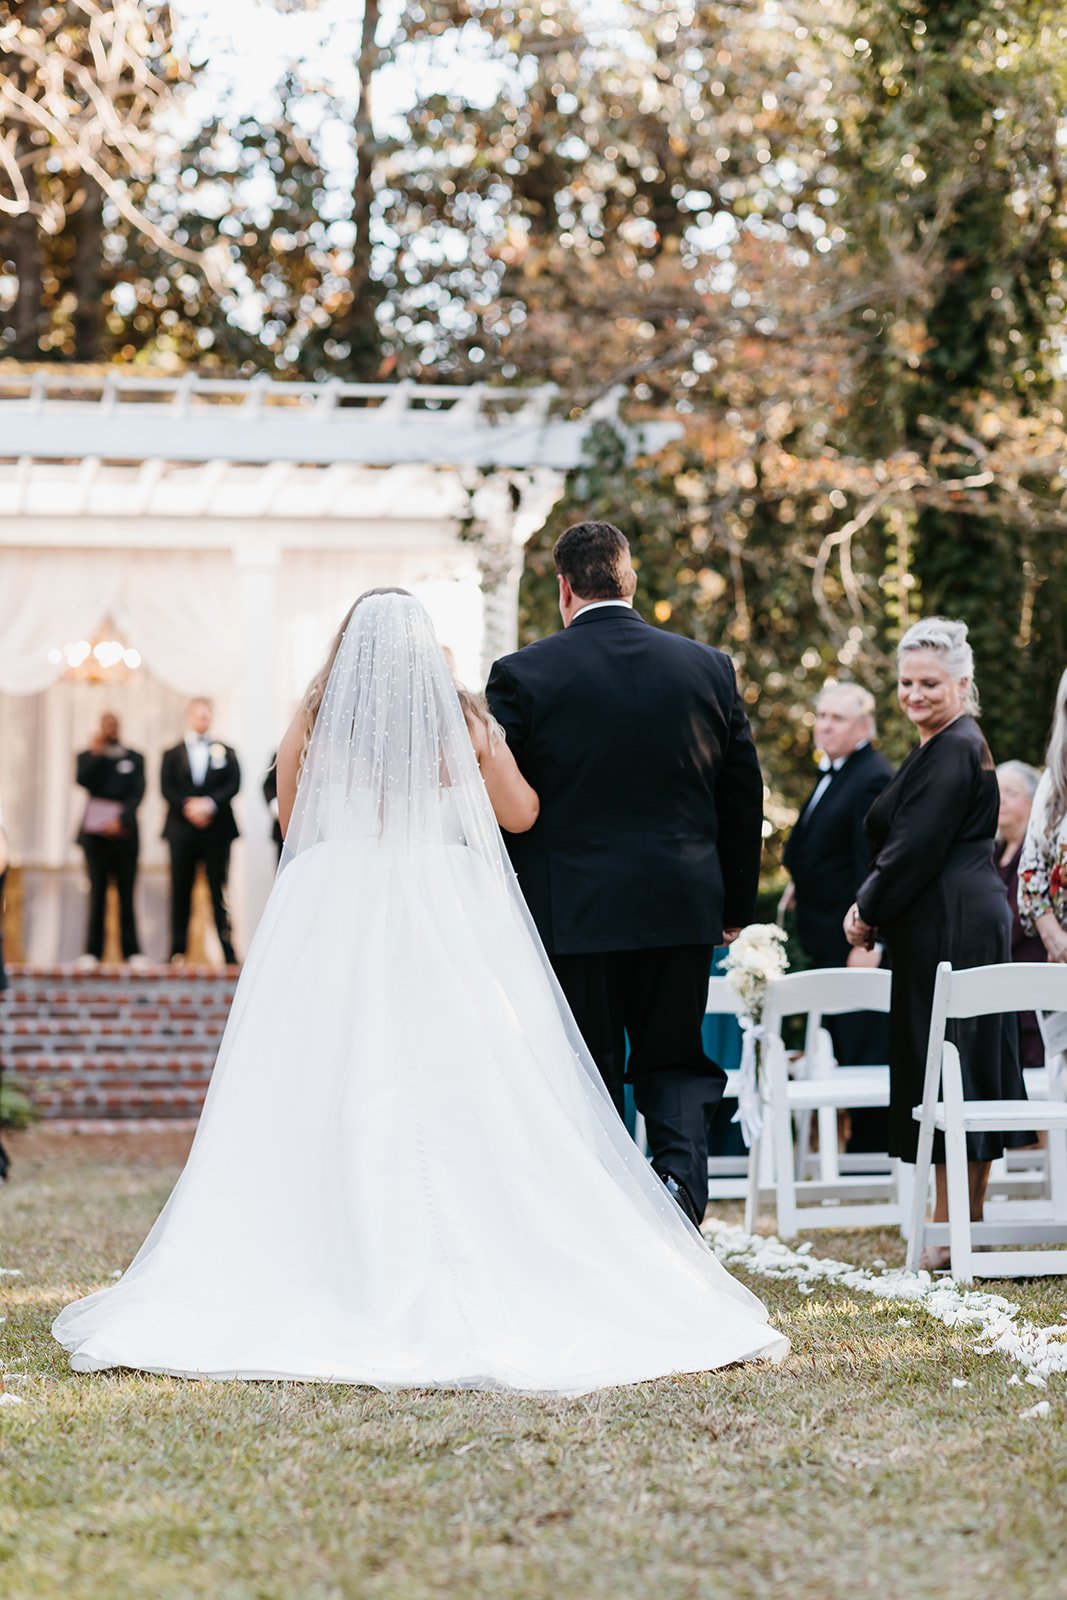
x=749 y=1111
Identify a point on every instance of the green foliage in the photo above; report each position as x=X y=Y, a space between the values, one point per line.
x=829 y=238
x=956 y=185
x=16 y=1111
x=740 y=579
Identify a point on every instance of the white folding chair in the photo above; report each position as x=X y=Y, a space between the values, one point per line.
x=981 y=992
x=834 y=1199
x=727 y=1175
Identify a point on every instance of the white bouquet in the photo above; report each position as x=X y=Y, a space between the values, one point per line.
x=756 y=957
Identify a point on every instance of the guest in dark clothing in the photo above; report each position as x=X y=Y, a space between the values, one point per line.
x=199 y=779
x=827 y=856
x=933 y=894
x=270 y=795
x=1018 y=783
x=114 y=778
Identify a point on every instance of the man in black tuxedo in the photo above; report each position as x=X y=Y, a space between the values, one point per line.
x=114 y=778
x=646 y=852
x=199 y=779
x=270 y=795
x=828 y=856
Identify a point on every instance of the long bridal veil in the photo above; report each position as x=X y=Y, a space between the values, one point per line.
x=408 y=1170
x=390 y=755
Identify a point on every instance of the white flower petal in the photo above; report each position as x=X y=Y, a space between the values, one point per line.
x=998 y=1329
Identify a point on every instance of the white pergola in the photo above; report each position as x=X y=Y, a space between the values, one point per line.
x=257 y=484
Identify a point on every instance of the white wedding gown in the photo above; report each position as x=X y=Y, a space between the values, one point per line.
x=406 y=1172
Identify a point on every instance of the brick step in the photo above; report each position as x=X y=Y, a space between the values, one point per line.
x=114 y=1046
x=120 y=999
x=14 y=1019
x=19 y=1046
x=76 y=1081
x=122 y=1105
x=19 y=972
x=90 y=1092
x=38 y=1067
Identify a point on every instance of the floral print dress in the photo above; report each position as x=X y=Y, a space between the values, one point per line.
x=1043 y=865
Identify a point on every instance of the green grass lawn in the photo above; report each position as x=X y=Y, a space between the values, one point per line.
x=857 y=1468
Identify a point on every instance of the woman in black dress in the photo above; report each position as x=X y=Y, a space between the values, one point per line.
x=934 y=894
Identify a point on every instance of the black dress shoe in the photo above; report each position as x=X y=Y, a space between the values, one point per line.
x=680 y=1194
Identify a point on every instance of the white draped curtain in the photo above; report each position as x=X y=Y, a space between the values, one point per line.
x=183 y=611
x=178 y=610
x=176 y=607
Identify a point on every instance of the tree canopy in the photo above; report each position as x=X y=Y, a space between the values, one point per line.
x=825 y=234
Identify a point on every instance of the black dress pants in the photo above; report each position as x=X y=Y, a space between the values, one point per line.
x=106 y=861
x=185 y=856
x=657 y=999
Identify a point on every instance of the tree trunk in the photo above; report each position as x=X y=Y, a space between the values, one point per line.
x=21 y=244
x=357 y=325
x=85 y=273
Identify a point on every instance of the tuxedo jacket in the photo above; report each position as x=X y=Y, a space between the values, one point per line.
x=828 y=854
x=113 y=777
x=638 y=745
x=221 y=782
x=270 y=793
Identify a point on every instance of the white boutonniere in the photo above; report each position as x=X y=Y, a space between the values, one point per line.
x=217 y=752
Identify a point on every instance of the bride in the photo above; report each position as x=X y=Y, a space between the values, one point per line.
x=407 y=1171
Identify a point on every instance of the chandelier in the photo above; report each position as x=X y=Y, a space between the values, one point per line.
x=99 y=660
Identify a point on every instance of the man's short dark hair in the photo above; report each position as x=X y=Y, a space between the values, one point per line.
x=592 y=558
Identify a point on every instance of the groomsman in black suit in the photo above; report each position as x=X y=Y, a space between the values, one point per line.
x=199 y=779
x=646 y=852
x=828 y=856
x=270 y=795
x=114 y=778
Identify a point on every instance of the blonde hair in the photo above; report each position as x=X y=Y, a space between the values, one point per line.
x=946 y=638
x=474 y=705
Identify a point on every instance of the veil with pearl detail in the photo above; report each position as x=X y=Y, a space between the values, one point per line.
x=408 y=1171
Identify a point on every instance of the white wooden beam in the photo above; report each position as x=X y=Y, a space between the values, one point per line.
x=60 y=415
x=148 y=475
x=87 y=473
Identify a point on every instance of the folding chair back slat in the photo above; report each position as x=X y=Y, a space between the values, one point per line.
x=1022 y=986
x=821 y=990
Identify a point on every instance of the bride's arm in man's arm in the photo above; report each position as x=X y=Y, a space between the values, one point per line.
x=287 y=767
x=516 y=805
